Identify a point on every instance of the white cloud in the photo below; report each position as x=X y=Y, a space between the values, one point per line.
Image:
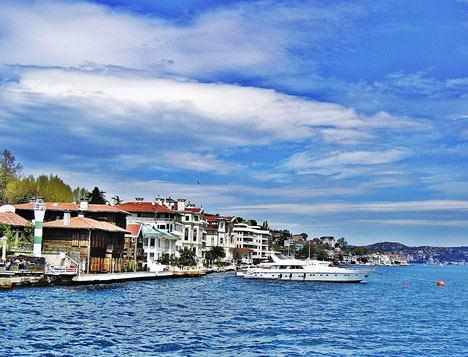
x=327 y=208
x=227 y=114
x=416 y=222
x=342 y=163
x=249 y=37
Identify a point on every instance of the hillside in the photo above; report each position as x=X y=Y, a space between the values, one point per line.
x=424 y=254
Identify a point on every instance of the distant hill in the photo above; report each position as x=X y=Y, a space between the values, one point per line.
x=424 y=254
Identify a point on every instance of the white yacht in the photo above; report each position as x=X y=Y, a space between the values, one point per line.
x=305 y=270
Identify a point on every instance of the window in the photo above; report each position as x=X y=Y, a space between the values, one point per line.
x=195 y=235
x=221 y=240
x=196 y=218
x=186 y=234
x=187 y=218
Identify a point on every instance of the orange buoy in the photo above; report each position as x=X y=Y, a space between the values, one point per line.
x=440 y=283
x=405 y=286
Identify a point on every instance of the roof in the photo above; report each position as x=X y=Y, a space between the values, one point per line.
x=212 y=217
x=66 y=206
x=150 y=231
x=144 y=207
x=85 y=223
x=134 y=229
x=12 y=219
x=194 y=209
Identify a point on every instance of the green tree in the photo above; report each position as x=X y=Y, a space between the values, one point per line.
x=316 y=252
x=187 y=258
x=9 y=171
x=360 y=251
x=19 y=190
x=341 y=243
x=79 y=194
x=5 y=231
x=214 y=254
x=97 y=196
x=51 y=188
x=165 y=259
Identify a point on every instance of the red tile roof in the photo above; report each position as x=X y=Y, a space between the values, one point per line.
x=12 y=219
x=85 y=223
x=144 y=207
x=211 y=217
x=194 y=209
x=65 y=206
x=134 y=229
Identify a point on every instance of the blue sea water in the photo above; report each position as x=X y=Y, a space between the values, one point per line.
x=221 y=314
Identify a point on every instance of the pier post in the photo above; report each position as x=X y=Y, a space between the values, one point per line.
x=39 y=213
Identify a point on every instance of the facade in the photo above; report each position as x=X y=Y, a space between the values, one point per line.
x=157 y=244
x=330 y=241
x=162 y=217
x=133 y=249
x=193 y=225
x=219 y=232
x=252 y=237
x=97 y=246
x=55 y=211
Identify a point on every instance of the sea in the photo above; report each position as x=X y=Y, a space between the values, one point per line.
x=224 y=315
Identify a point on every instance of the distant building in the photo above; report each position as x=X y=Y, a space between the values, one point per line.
x=219 y=233
x=328 y=240
x=252 y=237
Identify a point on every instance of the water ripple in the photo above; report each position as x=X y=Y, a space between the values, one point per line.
x=224 y=315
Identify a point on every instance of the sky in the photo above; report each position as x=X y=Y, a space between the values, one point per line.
x=325 y=117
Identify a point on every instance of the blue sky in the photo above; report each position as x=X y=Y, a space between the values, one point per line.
x=326 y=117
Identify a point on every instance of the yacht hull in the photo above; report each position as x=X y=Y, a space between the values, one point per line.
x=349 y=277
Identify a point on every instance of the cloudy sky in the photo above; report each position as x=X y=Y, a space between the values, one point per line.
x=326 y=117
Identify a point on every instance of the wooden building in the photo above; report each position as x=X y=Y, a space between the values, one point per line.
x=99 y=245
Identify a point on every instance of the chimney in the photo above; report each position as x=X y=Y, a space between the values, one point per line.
x=181 y=205
x=66 y=218
x=83 y=205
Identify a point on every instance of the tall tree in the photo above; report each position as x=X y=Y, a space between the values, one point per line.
x=51 y=188
x=80 y=193
x=97 y=196
x=9 y=170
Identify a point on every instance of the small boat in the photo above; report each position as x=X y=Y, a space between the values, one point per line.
x=305 y=270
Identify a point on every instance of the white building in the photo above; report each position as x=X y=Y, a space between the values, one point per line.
x=156 y=244
x=219 y=233
x=193 y=232
x=330 y=241
x=252 y=237
x=162 y=217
